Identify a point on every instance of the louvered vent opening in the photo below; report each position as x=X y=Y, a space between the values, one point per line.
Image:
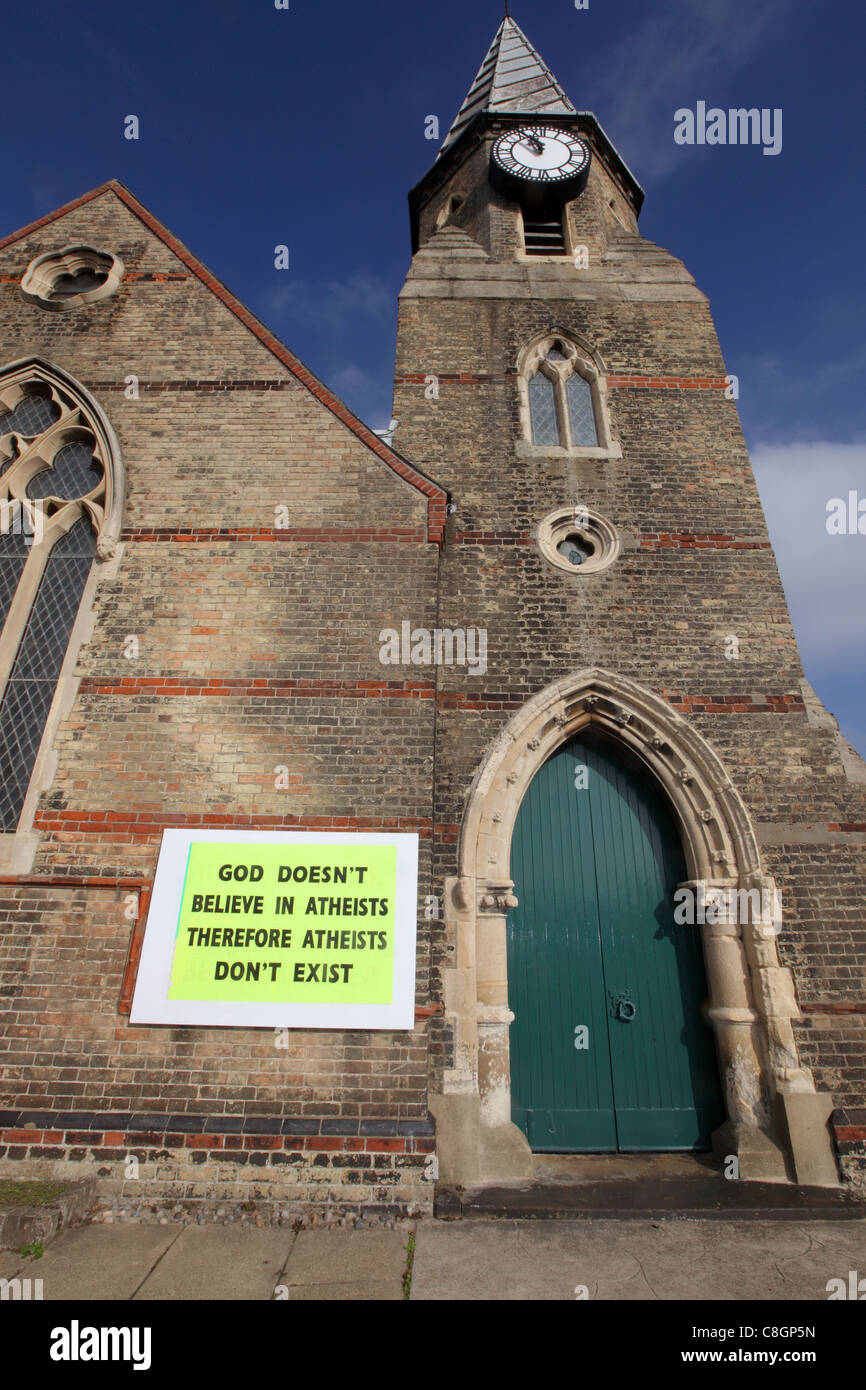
x=544 y=238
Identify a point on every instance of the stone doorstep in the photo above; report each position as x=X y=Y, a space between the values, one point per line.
x=20 y=1226
x=710 y=1198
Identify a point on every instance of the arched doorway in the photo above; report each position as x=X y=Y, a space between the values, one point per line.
x=611 y=1046
x=775 y=1119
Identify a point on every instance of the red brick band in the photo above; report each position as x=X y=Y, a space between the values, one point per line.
x=692 y=704
x=491 y=538
x=456 y=378
x=219 y=384
x=818 y=1007
x=736 y=704
x=150 y=822
x=37 y=1140
x=207 y=535
x=652 y=383
x=260 y=687
x=141 y=276
x=670 y=383
x=74 y=881
x=264 y=688
x=649 y=540
x=695 y=540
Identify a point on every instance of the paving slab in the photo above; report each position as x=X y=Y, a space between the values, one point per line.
x=633 y=1259
x=328 y=1260
x=95 y=1262
x=217 y=1262
x=345 y=1293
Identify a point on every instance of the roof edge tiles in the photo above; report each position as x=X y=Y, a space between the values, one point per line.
x=512 y=78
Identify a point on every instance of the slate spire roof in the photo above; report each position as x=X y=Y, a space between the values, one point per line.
x=513 y=77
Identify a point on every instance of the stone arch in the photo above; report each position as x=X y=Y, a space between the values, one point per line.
x=77 y=408
x=591 y=361
x=776 y=1124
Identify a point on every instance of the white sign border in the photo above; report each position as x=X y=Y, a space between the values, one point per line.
x=151 y=1004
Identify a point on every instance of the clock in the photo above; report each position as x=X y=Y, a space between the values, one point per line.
x=539 y=160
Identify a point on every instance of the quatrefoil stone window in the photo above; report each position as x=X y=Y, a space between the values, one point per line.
x=577 y=540
x=72 y=277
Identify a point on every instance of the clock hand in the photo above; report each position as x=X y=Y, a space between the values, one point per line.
x=535 y=143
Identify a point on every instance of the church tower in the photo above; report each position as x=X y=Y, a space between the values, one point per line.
x=649 y=834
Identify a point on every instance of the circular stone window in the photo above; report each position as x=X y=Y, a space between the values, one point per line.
x=72 y=277
x=578 y=540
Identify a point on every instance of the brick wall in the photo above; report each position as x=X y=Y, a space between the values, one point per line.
x=257 y=648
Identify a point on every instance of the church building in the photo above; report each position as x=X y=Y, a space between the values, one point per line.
x=538 y=625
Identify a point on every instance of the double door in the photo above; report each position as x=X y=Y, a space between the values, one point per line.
x=611 y=1047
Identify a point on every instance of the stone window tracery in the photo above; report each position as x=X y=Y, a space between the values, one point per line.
x=562 y=399
x=72 y=277
x=60 y=499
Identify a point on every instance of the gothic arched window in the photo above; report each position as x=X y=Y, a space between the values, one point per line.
x=60 y=504
x=562 y=398
x=561 y=407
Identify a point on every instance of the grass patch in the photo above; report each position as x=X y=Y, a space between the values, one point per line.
x=15 y=1193
x=35 y=1250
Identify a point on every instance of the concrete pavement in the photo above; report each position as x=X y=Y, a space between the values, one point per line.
x=667 y=1259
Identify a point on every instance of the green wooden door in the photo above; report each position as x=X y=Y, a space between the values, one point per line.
x=611 y=1048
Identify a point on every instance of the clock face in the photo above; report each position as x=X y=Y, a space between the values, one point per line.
x=541 y=154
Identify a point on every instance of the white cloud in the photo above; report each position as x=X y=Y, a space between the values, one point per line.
x=679 y=54
x=824 y=575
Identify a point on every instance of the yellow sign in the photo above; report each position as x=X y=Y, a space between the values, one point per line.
x=281 y=929
x=275 y=923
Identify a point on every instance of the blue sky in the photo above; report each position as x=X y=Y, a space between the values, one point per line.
x=306 y=127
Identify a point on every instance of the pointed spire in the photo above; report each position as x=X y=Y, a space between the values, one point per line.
x=512 y=78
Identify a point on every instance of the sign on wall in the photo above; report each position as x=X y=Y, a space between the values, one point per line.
x=280 y=929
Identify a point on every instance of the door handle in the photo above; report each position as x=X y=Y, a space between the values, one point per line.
x=624 y=1007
